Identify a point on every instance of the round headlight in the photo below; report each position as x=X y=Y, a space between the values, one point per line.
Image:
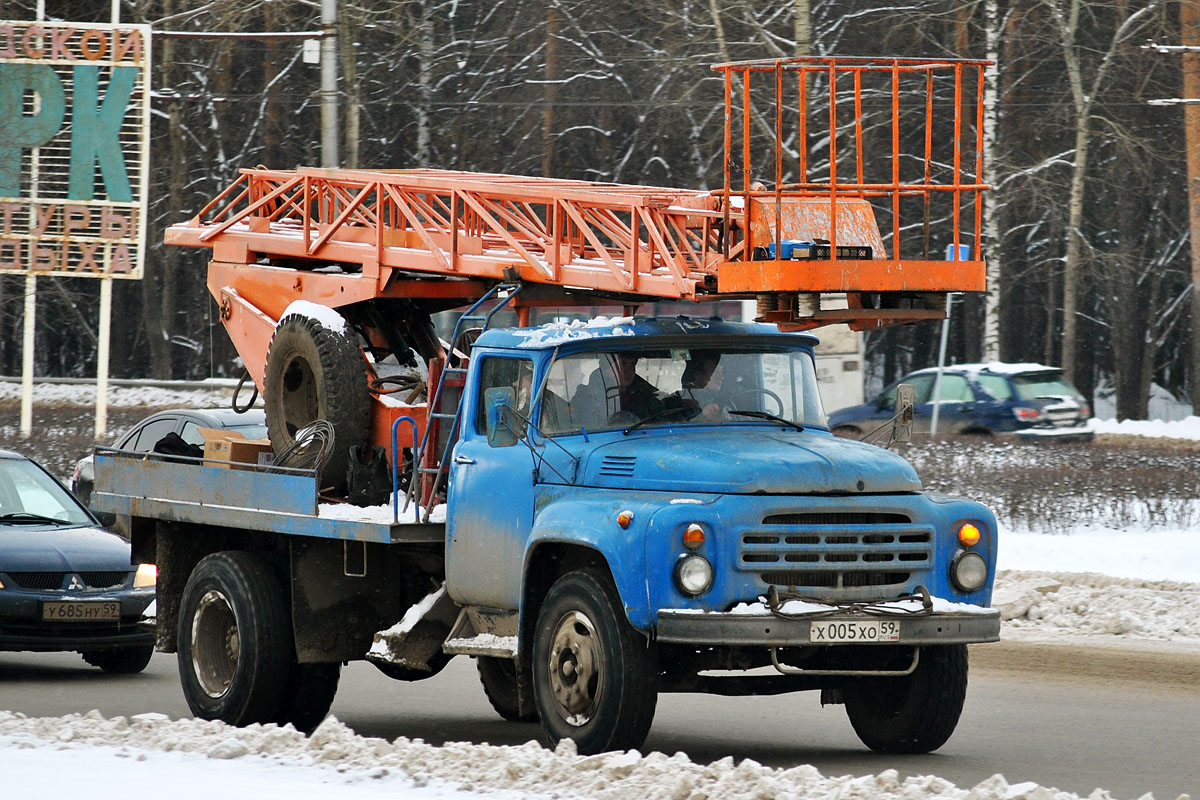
x=969 y=572
x=694 y=575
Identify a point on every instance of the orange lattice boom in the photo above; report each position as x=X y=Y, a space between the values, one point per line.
x=392 y=231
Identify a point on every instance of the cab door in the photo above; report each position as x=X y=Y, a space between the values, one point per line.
x=490 y=496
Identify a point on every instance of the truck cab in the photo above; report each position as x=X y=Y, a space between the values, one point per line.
x=679 y=476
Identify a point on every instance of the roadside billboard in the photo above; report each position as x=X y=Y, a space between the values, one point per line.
x=74 y=148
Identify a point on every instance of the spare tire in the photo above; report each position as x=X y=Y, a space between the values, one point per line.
x=315 y=372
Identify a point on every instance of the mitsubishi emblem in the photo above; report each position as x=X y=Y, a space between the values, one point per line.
x=76 y=584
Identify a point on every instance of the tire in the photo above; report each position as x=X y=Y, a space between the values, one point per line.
x=595 y=678
x=309 y=694
x=499 y=679
x=314 y=373
x=915 y=713
x=122 y=661
x=234 y=640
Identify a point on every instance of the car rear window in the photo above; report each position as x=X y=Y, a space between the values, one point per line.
x=996 y=386
x=1043 y=384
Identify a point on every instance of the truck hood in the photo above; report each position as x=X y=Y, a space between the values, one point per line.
x=746 y=461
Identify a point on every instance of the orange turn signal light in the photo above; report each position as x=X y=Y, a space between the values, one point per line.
x=969 y=535
x=624 y=518
x=693 y=537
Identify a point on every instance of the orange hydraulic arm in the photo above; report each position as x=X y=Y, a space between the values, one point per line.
x=846 y=205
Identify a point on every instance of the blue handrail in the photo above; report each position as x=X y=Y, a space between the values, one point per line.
x=396 y=470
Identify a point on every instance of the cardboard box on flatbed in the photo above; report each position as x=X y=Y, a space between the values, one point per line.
x=222 y=445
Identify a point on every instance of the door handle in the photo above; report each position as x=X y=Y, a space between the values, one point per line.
x=463 y=460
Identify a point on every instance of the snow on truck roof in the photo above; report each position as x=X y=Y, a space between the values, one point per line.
x=554 y=334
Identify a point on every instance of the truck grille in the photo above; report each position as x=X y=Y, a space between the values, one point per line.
x=837 y=554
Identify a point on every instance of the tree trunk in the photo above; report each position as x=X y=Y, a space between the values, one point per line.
x=1071 y=266
x=425 y=35
x=550 y=88
x=158 y=281
x=991 y=248
x=271 y=117
x=349 y=54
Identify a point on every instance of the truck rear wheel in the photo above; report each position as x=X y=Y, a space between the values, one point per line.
x=915 y=713
x=595 y=678
x=312 y=373
x=234 y=640
x=499 y=679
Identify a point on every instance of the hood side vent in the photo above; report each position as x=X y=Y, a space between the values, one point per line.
x=618 y=466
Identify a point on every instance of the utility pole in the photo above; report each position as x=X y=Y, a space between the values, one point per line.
x=1189 y=24
x=1189 y=50
x=329 y=73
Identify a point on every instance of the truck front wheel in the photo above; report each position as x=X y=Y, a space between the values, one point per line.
x=234 y=640
x=595 y=678
x=915 y=713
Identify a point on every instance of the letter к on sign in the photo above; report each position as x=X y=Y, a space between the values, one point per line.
x=74 y=148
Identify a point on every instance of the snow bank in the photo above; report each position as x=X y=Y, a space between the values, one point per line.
x=1188 y=428
x=410 y=768
x=1050 y=604
x=76 y=394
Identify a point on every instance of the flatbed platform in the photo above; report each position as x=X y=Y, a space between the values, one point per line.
x=245 y=496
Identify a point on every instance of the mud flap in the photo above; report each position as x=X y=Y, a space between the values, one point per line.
x=415 y=642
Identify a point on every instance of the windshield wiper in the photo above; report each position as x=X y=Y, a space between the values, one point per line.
x=772 y=417
x=22 y=517
x=666 y=412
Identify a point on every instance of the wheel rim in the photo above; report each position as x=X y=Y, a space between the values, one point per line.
x=215 y=644
x=298 y=396
x=576 y=665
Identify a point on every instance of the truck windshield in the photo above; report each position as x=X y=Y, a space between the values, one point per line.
x=670 y=386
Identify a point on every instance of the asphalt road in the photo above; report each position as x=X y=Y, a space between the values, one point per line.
x=1130 y=723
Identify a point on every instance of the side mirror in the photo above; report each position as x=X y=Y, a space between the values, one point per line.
x=903 y=421
x=503 y=426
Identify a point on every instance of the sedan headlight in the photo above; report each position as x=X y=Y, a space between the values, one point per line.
x=146 y=577
x=968 y=572
x=693 y=575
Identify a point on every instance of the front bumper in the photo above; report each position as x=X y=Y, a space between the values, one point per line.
x=22 y=628
x=719 y=629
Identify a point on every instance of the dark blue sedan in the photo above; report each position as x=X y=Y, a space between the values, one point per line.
x=66 y=584
x=1028 y=401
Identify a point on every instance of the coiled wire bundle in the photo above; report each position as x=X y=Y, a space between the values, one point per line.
x=310 y=448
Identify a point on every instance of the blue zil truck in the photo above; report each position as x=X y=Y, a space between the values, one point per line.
x=631 y=507
x=597 y=511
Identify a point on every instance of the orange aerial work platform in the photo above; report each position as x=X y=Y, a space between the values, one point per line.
x=841 y=175
x=396 y=229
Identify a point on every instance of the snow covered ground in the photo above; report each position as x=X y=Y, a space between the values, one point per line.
x=1109 y=585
